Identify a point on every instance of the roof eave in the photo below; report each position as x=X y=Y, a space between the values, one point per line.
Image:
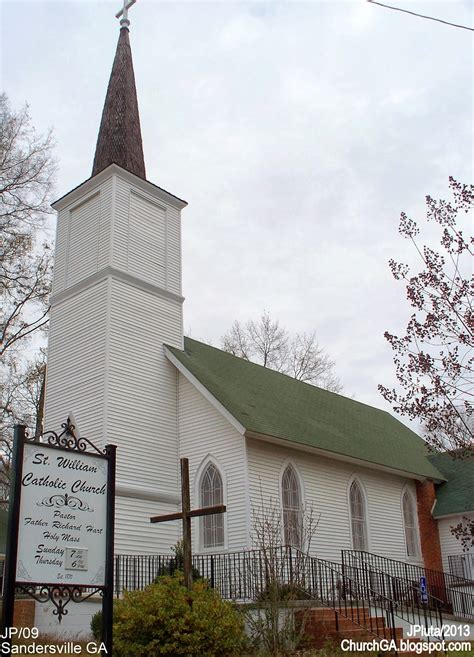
x=451 y=514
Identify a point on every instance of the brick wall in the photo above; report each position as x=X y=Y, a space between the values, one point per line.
x=24 y=613
x=429 y=536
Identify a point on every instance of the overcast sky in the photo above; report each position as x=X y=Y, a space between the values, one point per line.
x=297 y=132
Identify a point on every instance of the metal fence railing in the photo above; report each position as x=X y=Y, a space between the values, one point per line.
x=455 y=593
x=462 y=565
x=371 y=599
x=251 y=575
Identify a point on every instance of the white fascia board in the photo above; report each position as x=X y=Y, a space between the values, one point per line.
x=204 y=391
x=454 y=515
x=333 y=455
x=113 y=169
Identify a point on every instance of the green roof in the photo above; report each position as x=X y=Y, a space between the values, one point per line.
x=457 y=494
x=267 y=402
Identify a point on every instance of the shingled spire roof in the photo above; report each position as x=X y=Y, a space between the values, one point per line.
x=120 y=139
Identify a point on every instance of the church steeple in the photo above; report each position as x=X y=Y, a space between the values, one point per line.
x=120 y=139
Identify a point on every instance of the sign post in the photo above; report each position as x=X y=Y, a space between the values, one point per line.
x=61 y=524
x=12 y=535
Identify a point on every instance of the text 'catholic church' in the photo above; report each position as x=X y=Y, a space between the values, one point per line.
x=254 y=438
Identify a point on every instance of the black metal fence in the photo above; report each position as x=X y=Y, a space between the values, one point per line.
x=253 y=575
x=455 y=593
x=462 y=565
x=137 y=571
x=410 y=603
x=240 y=575
x=373 y=600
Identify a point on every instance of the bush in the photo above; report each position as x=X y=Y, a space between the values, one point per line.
x=96 y=625
x=175 y=563
x=283 y=591
x=167 y=619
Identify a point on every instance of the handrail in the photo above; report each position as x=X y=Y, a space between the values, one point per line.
x=406 y=596
x=326 y=582
x=453 y=591
x=454 y=579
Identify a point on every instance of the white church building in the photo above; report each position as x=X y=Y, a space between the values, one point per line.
x=118 y=360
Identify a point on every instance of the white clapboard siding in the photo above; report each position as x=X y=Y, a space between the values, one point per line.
x=118 y=225
x=60 y=251
x=173 y=251
x=141 y=414
x=325 y=489
x=146 y=240
x=134 y=534
x=76 y=362
x=146 y=237
x=205 y=434
x=450 y=545
x=106 y=358
x=121 y=224
x=83 y=242
x=104 y=250
x=83 y=237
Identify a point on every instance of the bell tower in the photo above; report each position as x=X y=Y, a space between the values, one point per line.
x=116 y=301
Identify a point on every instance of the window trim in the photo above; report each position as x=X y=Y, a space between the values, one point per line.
x=357 y=480
x=290 y=463
x=409 y=494
x=209 y=459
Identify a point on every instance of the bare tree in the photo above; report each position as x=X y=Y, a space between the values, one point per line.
x=434 y=359
x=26 y=177
x=281 y=576
x=267 y=343
x=22 y=402
x=26 y=173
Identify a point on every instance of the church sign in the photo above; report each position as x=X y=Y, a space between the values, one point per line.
x=60 y=544
x=63 y=514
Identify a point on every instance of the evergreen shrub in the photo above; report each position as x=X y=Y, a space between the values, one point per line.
x=96 y=625
x=167 y=619
x=176 y=562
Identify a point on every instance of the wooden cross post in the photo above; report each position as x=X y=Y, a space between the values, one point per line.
x=185 y=515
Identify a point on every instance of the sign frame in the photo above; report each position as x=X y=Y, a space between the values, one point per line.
x=60 y=594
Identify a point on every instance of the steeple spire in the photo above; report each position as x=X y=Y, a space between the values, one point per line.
x=120 y=139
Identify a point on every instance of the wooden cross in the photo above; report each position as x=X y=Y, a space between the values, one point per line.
x=124 y=22
x=185 y=515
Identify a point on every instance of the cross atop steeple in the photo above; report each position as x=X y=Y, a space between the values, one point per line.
x=124 y=22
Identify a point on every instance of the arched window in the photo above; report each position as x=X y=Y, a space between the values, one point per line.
x=409 y=522
x=292 y=516
x=358 y=519
x=212 y=494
